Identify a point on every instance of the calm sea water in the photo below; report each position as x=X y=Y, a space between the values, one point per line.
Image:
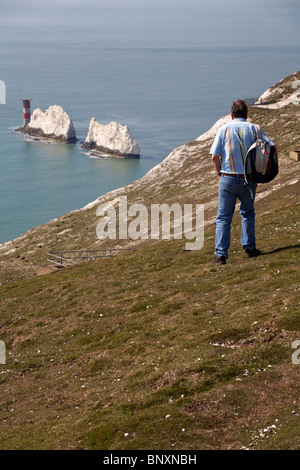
x=166 y=95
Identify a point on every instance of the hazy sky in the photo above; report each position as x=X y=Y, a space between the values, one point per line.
x=152 y=22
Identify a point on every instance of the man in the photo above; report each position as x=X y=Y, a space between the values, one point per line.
x=228 y=153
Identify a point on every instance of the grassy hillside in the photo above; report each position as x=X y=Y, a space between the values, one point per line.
x=157 y=348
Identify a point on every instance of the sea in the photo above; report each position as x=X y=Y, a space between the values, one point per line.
x=153 y=70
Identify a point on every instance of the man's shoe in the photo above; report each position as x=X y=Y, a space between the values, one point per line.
x=252 y=252
x=220 y=260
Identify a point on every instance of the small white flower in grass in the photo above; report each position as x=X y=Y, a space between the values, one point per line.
x=126 y=434
x=168 y=416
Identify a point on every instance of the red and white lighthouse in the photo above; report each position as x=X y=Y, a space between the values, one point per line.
x=26 y=111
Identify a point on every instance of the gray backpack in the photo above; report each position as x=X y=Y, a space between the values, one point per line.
x=261 y=161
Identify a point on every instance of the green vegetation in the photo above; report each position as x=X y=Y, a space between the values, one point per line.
x=209 y=346
x=158 y=348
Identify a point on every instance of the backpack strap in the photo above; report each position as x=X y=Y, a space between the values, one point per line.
x=258 y=131
x=253 y=146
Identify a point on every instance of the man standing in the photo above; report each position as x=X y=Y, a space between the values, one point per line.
x=228 y=153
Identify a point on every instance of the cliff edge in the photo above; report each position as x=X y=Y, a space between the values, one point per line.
x=185 y=176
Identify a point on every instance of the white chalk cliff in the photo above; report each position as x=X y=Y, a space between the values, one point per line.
x=55 y=123
x=113 y=139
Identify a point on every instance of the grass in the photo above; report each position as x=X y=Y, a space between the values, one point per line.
x=158 y=348
x=190 y=341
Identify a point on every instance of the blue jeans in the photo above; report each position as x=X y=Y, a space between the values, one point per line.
x=230 y=189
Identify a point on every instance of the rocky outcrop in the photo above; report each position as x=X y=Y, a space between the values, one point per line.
x=281 y=94
x=54 y=124
x=112 y=139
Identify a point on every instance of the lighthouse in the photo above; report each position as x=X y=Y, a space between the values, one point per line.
x=26 y=111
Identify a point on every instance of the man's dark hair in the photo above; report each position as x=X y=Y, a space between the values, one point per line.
x=239 y=109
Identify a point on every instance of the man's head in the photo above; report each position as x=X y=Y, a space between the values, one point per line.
x=239 y=109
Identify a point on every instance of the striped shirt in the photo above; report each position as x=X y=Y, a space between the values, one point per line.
x=232 y=143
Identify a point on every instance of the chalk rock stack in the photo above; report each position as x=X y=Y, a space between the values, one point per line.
x=112 y=139
x=54 y=124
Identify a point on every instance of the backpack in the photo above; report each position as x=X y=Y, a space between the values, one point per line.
x=261 y=161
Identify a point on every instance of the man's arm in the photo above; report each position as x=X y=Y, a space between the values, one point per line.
x=216 y=150
x=217 y=163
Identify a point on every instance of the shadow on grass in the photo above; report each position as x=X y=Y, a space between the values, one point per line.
x=282 y=248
